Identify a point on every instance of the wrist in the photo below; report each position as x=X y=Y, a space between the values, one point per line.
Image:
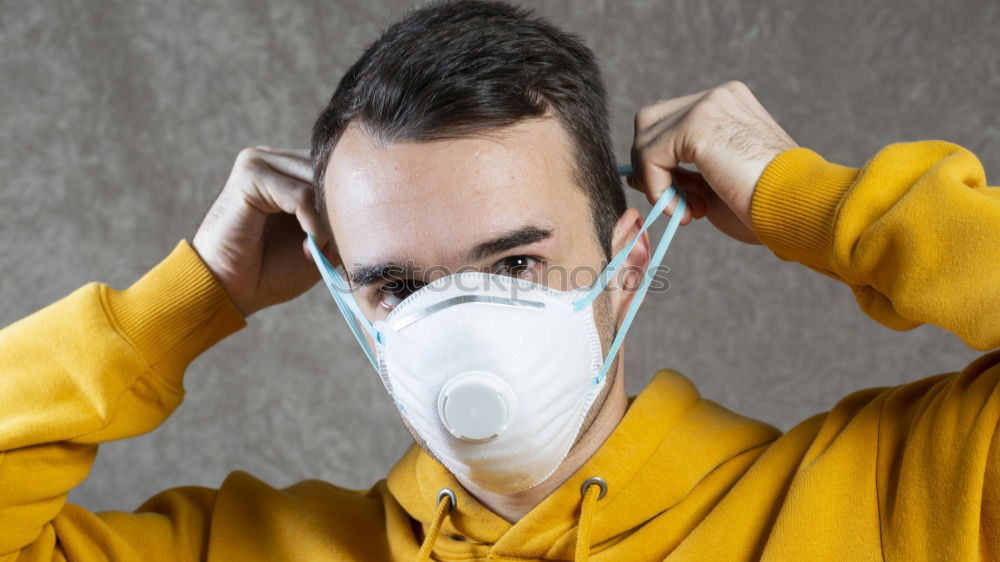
x=794 y=206
x=220 y=279
x=175 y=311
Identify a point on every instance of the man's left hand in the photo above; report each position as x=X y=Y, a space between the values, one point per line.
x=726 y=134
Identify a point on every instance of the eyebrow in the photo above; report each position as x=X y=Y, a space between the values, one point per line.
x=365 y=275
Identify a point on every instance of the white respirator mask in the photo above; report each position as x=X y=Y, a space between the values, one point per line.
x=496 y=374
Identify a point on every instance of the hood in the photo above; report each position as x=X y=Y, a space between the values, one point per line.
x=669 y=440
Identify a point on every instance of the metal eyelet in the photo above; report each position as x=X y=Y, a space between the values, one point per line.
x=591 y=481
x=451 y=495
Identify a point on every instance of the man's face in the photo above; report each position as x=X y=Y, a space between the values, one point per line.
x=406 y=213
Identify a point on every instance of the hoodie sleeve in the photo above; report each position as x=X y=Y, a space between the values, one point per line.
x=102 y=364
x=915 y=234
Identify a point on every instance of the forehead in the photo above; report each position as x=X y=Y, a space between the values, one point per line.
x=429 y=202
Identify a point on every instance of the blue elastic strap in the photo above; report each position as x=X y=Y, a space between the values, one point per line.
x=605 y=277
x=357 y=321
x=654 y=264
x=348 y=307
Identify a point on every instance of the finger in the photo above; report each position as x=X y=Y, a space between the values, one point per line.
x=655 y=167
x=654 y=154
x=673 y=204
x=299 y=170
x=655 y=180
x=291 y=152
x=274 y=183
x=289 y=165
x=658 y=180
x=692 y=208
x=273 y=193
x=648 y=122
x=656 y=112
x=328 y=250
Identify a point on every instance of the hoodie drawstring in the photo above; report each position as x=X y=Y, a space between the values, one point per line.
x=443 y=509
x=592 y=490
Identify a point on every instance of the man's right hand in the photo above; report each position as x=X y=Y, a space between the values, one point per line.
x=253 y=237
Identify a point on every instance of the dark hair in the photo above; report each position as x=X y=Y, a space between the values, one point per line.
x=455 y=68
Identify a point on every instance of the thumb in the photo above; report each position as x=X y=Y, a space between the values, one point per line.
x=325 y=248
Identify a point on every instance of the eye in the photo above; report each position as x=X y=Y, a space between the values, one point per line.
x=515 y=266
x=393 y=292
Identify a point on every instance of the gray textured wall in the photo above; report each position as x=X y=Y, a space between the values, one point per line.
x=120 y=120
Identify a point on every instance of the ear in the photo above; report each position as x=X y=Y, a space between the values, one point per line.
x=632 y=270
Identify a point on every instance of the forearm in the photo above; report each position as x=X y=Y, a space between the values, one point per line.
x=98 y=365
x=915 y=233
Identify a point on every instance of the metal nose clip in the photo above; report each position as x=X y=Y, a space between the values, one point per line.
x=399 y=324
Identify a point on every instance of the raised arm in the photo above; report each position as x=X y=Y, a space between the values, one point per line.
x=98 y=365
x=915 y=233
x=103 y=364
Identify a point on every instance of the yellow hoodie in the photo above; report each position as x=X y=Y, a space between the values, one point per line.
x=892 y=473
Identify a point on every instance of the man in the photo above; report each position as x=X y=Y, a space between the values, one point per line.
x=472 y=135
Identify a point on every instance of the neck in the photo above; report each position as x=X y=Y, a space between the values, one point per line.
x=513 y=507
